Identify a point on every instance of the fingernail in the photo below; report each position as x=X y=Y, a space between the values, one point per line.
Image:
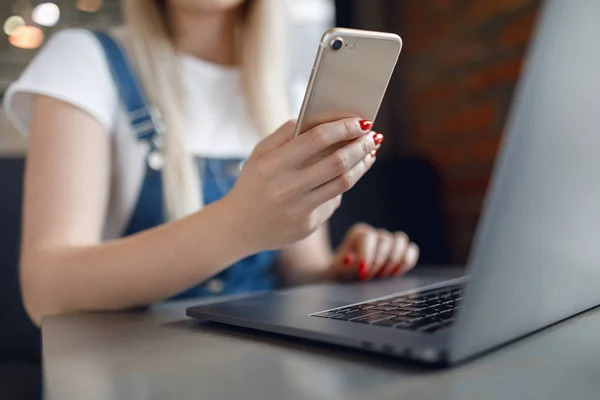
x=380 y=272
x=365 y=125
x=378 y=138
x=396 y=269
x=374 y=153
x=347 y=260
x=363 y=270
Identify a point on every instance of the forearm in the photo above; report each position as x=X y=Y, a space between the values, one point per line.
x=132 y=271
x=307 y=261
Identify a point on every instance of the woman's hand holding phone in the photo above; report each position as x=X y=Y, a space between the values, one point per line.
x=279 y=199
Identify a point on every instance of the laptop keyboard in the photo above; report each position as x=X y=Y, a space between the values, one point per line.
x=427 y=311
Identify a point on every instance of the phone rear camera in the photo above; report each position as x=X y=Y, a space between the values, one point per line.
x=337 y=44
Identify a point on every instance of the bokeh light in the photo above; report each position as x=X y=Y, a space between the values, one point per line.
x=46 y=14
x=89 y=5
x=13 y=23
x=27 y=37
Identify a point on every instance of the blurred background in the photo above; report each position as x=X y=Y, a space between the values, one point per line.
x=443 y=114
x=445 y=106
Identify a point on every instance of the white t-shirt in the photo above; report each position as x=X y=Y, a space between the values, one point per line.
x=72 y=68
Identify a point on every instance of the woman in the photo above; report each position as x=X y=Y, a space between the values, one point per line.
x=94 y=237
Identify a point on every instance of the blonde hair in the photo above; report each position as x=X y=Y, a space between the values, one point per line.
x=262 y=53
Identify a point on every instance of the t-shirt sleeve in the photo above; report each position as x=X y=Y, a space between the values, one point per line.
x=71 y=67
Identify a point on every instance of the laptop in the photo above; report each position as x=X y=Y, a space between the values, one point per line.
x=535 y=259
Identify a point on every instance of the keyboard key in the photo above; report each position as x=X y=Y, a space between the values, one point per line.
x=398 y=312
x=384 y=308
x=391 y=312
x=435 y=309
x=371 y=318
x=364 y=307
x=326 y=314
x=376 y=303
x=409 y=308
x=427 y=311
x=354 y=314
x=401 y=319
x=446 y=313
x=386 y=322
x=404 y=300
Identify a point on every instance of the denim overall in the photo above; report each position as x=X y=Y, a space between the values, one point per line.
x=218 y=177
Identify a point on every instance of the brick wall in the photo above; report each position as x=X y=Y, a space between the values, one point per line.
x=460 y=62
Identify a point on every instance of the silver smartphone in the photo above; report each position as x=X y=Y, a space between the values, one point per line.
x=349 y=77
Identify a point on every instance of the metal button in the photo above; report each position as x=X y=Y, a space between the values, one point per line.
x=234 y=169
x=215 y=285
x=155 y=160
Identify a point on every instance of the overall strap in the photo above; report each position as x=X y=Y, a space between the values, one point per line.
x=144 y=118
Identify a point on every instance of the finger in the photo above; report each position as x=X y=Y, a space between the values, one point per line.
x=341 y=184
x=349 y=253
x=366 y=246
x=319 y=138
x=345 y=255
x=394 y=263
x=340 y=162
x=325 y=211
x=346 y=266
x=385 y=244
x=410 y=260
x=338 y=201
x=275 y=140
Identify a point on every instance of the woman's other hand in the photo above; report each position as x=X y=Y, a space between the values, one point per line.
x=279 y=199
x=368 y=253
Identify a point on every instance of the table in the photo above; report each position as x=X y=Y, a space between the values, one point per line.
x=161 y=354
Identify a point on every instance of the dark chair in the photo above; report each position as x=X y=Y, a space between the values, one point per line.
x=398 y=194
x=19 y=338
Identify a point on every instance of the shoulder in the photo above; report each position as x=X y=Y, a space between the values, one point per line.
x=72 y=42
x=70 y=67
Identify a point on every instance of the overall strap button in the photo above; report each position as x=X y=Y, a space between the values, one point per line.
x=155 y=160
x=215 y=285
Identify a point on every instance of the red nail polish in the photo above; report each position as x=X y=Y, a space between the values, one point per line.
x=380 y=272
x=374 y=153
x=348 y=260
x=365 y=125
x=378 y=138
x=363 y=271
x=396 y=269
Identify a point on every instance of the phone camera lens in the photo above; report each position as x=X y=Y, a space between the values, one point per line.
x=337 y=44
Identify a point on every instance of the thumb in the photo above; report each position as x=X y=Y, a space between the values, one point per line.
x=275 y=140
x=357 y=250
